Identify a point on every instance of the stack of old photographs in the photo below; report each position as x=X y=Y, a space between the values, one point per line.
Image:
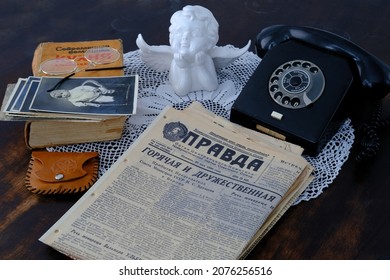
x=70 y=98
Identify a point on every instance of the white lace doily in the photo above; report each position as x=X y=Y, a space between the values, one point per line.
x=155 y=93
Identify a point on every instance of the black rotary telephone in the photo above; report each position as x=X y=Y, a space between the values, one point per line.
x=306 y=78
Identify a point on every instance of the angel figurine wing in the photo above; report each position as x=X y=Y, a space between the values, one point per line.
x=158 y=58
x=223 y=56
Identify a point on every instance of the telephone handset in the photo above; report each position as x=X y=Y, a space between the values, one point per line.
x=304 y=79
x=373 y=74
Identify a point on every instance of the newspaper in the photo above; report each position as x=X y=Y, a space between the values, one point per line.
x=193 y=186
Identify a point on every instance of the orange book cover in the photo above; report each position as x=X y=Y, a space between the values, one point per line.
x=75 y=51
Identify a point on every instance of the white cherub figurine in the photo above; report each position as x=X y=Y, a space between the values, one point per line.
x=192 y=56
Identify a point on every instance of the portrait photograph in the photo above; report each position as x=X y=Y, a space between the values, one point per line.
x=91 y=95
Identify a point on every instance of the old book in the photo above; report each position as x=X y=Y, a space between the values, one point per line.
x=51 y=121
x=76 y=51
x=57 y=129
x=192 y=186
x=40 y=134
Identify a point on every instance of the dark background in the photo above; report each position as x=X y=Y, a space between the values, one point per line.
x=349 y=220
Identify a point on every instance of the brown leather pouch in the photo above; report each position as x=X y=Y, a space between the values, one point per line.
x=61 y=172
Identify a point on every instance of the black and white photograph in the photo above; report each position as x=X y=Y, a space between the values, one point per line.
x=92 y=95
x=28 y=95
x=23 y=88
x=14 y=97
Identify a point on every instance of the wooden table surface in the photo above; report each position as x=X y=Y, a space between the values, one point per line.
x=349 y=220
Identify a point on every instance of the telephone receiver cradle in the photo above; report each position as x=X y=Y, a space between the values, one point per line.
x=307 y=80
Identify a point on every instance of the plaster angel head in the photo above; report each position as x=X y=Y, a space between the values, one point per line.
x=192 y=56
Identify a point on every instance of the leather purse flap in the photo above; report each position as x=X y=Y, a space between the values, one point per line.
x=60 y=172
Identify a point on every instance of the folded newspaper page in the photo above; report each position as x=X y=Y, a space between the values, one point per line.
x=192 y=186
